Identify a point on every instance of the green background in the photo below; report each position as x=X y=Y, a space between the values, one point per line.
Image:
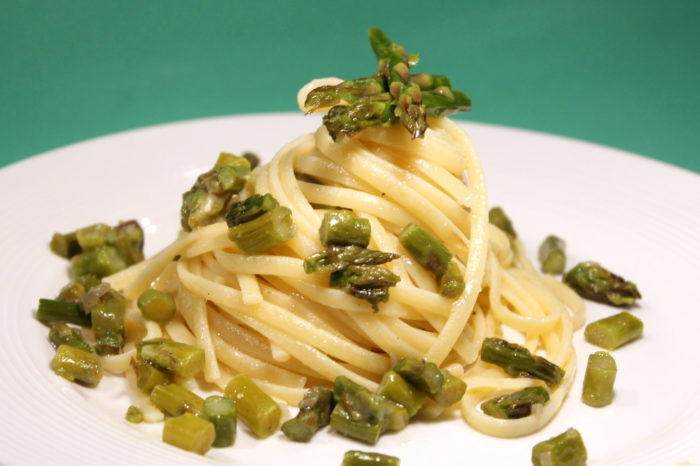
x=619 y=73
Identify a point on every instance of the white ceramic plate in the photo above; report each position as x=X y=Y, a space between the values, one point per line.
x=638 y=217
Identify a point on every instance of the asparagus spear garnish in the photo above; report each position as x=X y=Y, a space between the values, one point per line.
x=368 y=282
x=346 y=92
x=77 y=365
x=366 y=458
x=334 y=258
x=256 y=408
x=599 y=380
x=515 y=405
x=552 y=255
x=314 y=413
x=614 y=331
x=592 y=281
x=517 y=361
x=182 y=359
x=221 y=412
x=189 y=432
x=566 y=449
x=364 y=113
x=344 y=228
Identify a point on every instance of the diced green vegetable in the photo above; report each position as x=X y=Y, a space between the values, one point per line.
x=566 y=449
x=344 y=228
x=397 y=389
x=451 y=284
x=367 y=431
x=175 y=400
x=61 y=334
x=517 y=361
x=221 y=412
x=263 y=233
x=250 y=209
x=51 y=310
x=256 y=408
x=101 y=262
x=335 y=258
x=365 y=458
x=515 y=405
x=182 y=359
x=614 y=331
x=599 y=380
x=424 y=375
x=134 y=415
x=77 y=365
x=106 y=308
x=314 y=413
x=189 y=432
x=65 y=245
x=498 y=217
x=148 y=376
x=92 y=236
x=157 y=305
x=552 y=255
x=592 y=281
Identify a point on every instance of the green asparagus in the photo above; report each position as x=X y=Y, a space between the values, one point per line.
x=441 y=386
x=65 y=245
x=182 y=359
x=334 y=258
x=614 y=331
x=519 y=362
x=368 y=282
x=156 y=305
x=265 y=232
x=592 y=281
x=566 y=449
x=250 y=209
x=367 y=431
x=552 y=255
x=599 y=379
x=255 y=407
x=134 y=415
x=189 y=432
x=498 y=217
x=515 y=405
x=365 y=458
x=148 y=376
x=51 y=310
x=77 y=365
x=101 y=262
x=106 y=308
x=314 y=413
x=60 y=334
x=397 y=389
x=346 y=92
x=252 y=159
x=175 y=400
x=343 y=228
x=221 y=412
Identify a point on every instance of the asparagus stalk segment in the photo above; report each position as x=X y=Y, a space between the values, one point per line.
x=156 y=305
x=61 y=334
x=365 y=458
x=255 y=407
x=346 y=92
x=515 y=405
x=334 y=258
x=221 y=412
x=552 y=255
x=51 y=310
x=566 y=449
x=426 y=376
x=265 y=232
x=65 y=245
x=517 y=361
x=101 y=262
x=599 y=380
x=181 y=359
x=314 y=413
x=368 y=282
x=134 y=415
x=593 y=281
x=148 y=376
x=614 y=331
x=498 y=217
x=189 y=432
x=397 y=389
x=175 y=400
x=344 y=228
x=367 y=431
x=250 y=209
x=77 y=365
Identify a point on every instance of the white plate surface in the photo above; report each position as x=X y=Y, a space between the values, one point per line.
x=638 y=217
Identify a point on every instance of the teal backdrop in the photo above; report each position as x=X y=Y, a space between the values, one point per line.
x=620 y=73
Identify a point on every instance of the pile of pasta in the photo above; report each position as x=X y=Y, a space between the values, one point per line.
x=262 y=315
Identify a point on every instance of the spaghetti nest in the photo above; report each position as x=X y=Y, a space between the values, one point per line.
x=262 y=315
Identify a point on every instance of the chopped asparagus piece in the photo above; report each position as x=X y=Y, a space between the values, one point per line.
x=61 y=334
x=77 y=365
x=314 y=413
x=269 y=230
x=366 y=112
x=451 y=391
x=368 y=282
x=498 y=217
x=397 y=389
x=109 y=343
x=515 y=405
x=175 y=400
x=148 y=376
x=107 y=317
x=367 y=431
x=221 y=412
x=360 y=403
x=156 y=305
x=335 y=258
x=599 y=379
x=552 y=255
x=134 y=415
x=128 y=238
x=93 y=236
x=252 y=158
x=255 y=407
x=395 y=416
x=101 y=262
x=189 y=432
x=566 y=449
x=72 y=292
x=430 y=253
x=614 y=331
x=592 y=281
x=425 y=376
x=250 y=209
x=346 y=92
x=182 y=359
x=65 y=245
x=50 y=311
x=519 y=362
x=343 y=228
x=365 y=458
